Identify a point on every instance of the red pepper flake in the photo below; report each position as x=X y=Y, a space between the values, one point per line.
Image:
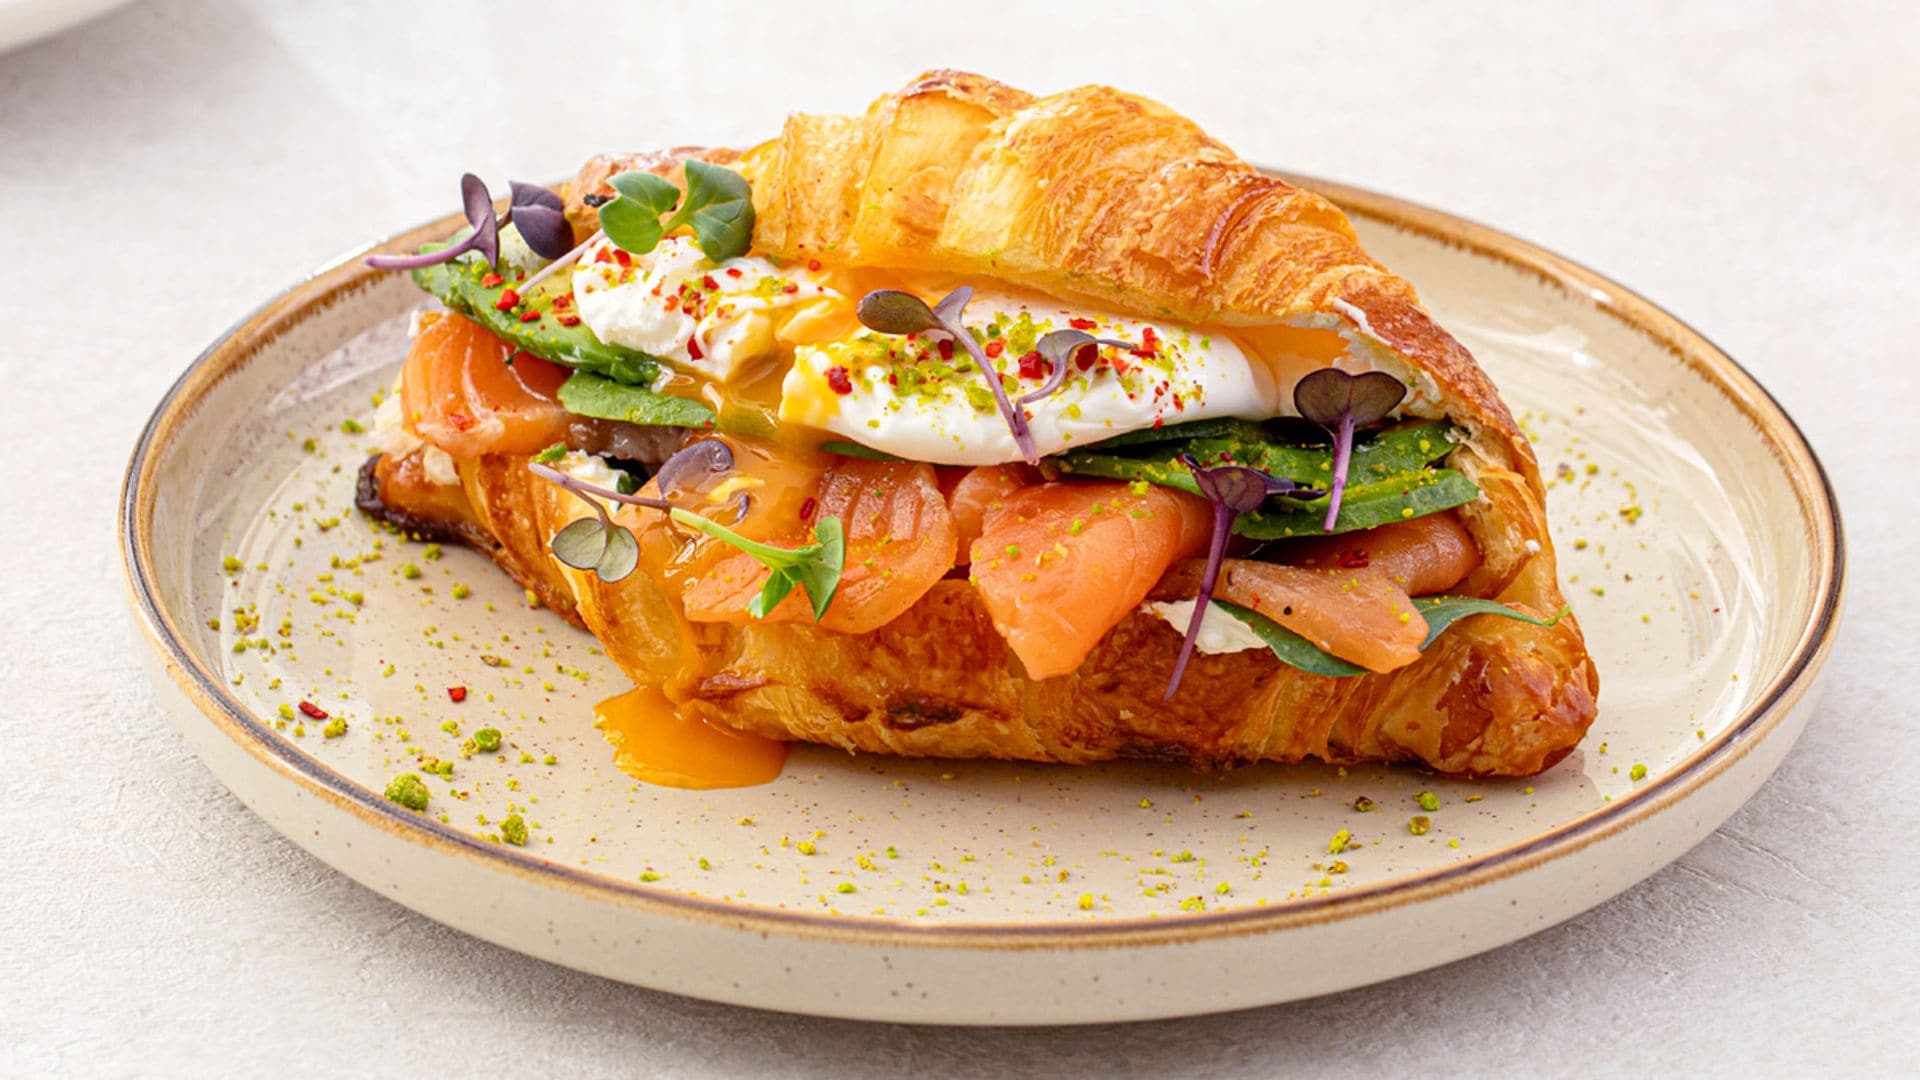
x=568 y=320
x=791 y=289
x=1032 y=365
x=457 y=693
x=508 y=301
x=492 y=281
x=1088 y=356
x=813 y=265
x=1082 y=324
x=946 y=348
x=529 y=316
x=672 y=303
x=605 y=255
x=693 y=348
x=563 y=301
x=995 y=347
x=733 y=271
x=707 y=283
x=1353 y=559
x=807 y=508
x=838 y=379
x=312 y=711
x=620 y=256
x=1149 y=342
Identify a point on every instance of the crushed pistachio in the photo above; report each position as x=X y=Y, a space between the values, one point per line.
x=1419 y=824
x=513 y=829
x=409 y=791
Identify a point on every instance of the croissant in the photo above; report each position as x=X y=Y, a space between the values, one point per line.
x=1101 y=197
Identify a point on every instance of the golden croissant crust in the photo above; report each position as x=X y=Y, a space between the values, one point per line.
x=1103 y=196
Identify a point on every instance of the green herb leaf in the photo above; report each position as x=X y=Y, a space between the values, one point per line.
x=1292 y=649
x=816 y=568
x=586 y=394
x=632 y=220
x=856 y=450
x=1443 y=611
x=719 y=207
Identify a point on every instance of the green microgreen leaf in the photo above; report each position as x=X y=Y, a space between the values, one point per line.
x=1443 y=611
x=718 y=208
x=816 y=568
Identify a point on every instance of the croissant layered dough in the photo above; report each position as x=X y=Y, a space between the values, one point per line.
x=1097 y=196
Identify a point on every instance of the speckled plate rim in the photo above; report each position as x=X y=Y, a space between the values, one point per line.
x=1813 y=492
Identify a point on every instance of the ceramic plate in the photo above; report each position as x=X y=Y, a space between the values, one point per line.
x=1699 y=543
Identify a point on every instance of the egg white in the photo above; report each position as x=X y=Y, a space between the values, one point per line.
x=918 y=405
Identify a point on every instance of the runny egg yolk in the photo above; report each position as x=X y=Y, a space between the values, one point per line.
x=658 y=742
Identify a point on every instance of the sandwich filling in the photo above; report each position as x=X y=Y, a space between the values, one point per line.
x=778 y=440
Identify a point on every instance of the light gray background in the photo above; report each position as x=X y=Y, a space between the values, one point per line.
x=1755 y=167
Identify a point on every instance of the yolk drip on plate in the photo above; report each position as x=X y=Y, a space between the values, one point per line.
x=658 y=742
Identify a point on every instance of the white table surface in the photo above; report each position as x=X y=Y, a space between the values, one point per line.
x=1755 y=167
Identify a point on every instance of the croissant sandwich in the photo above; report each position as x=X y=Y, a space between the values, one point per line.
x=986 y=425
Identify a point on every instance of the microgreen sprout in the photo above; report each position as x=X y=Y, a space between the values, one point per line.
x=610 y=550
x=536 y=212
x=541 y=218
x=1060 y=347
x=1341 y=402
x=485 y=237
x=891 y=311
x=1232 y=490
x=718 y=208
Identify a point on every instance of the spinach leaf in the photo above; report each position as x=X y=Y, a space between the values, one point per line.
x=856 y=450
x=1292 y=649
x=586 y=394
x=1443 y=611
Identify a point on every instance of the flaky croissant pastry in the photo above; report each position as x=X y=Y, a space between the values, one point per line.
x=1091 y=200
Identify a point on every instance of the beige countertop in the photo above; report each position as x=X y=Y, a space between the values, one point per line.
x=1755 y=168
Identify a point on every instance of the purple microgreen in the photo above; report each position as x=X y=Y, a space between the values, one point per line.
x=953 y=305
x=592 y=543
x=541 y=218
x=1059 y=347
x=718 y=208
x=1231 y=490
x=1340 y=402
x=693 y=463
x=484 y=237
x=560 y=263
x=890 y=311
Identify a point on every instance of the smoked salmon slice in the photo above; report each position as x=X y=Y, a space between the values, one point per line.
x=1059 y=565
x=468 y=393
x=1358 y=615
